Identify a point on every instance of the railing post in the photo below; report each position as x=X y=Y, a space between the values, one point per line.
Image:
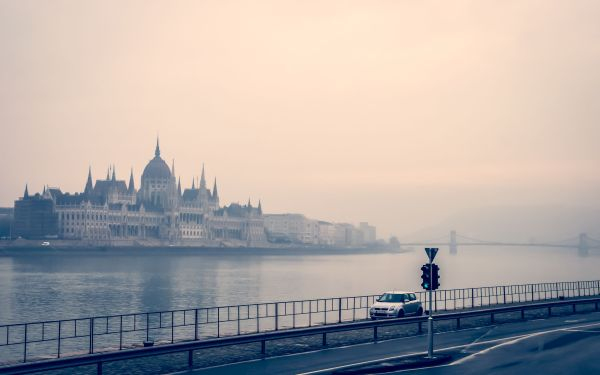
x=472 y=298
x=91 y=335
x=492 y=318
x=238 y=319
x=523 y=314
x=578 y=289
x=190 y=358
x=276 y=316
x=375 y=333
x=531 y=292
x=339 y=310
x=504 y=294
x=25 y=346
x=420 y=327
x=99 y=368
x=121 y=332
x=147 y=326
x=58 y=338
x=218 y=322
x=324 y=339
x=173 y=325
x=196 y=324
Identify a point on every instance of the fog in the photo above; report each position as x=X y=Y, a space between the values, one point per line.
x=407 y=115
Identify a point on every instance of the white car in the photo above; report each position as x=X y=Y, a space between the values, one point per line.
x=396 y=304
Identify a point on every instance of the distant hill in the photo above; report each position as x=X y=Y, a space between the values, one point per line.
x=517 y=223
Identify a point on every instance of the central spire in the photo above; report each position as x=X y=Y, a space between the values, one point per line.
x=157 y=151
x=202 y=179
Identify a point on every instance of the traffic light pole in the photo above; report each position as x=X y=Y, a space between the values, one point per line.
x=430 y=319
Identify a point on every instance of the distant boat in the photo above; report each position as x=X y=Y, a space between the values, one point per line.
x=45 y=243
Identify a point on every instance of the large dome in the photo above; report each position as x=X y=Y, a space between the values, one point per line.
x=156 y=168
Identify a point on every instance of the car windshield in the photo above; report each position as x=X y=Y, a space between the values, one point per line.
x=387 y=297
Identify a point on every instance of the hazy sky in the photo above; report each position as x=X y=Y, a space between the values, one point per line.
x=399 y=113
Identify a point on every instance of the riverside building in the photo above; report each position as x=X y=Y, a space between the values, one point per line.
x=110 y=211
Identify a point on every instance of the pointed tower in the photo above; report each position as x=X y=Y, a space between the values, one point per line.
x=131 y=189
x=173 y=168
x=46 y=194
x=193 y=183
x=259 y=207
x=215 y=192
x=114 y=175
x=179 y=186
x=202 y=179
x=249 y=203
x=26 y=193
x=157 y=150
x=108 y=174
x=89 y=185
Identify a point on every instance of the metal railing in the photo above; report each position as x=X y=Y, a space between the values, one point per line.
x=99 y=359
x=74 y=337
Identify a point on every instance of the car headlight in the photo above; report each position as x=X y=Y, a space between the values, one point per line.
x=392 y=307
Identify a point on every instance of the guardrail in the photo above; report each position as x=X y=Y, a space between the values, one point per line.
x=99 y=359
x=73 y=337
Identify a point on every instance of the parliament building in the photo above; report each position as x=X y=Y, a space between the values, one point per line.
x=110 y=211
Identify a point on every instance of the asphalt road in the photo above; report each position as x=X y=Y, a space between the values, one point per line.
x=557 y=345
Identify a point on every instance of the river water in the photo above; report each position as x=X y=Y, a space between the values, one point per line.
x=35 y=286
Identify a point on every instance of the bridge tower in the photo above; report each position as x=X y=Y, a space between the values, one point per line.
x=584 y=246
x=452 y=244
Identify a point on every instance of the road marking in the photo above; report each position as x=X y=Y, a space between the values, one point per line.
x=478 y=339
x=501 y=341
x=520 y=338
x=582 y=330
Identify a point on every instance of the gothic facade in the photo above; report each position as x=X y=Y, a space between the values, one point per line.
x=110 y=210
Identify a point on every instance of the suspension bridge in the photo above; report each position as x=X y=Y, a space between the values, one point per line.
x=583 y=243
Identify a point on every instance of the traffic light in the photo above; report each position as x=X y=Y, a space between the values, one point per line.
x=426 y=284
x=435 y=276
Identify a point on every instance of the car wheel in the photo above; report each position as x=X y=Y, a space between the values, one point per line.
x=420 y=311
x=400 y=314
